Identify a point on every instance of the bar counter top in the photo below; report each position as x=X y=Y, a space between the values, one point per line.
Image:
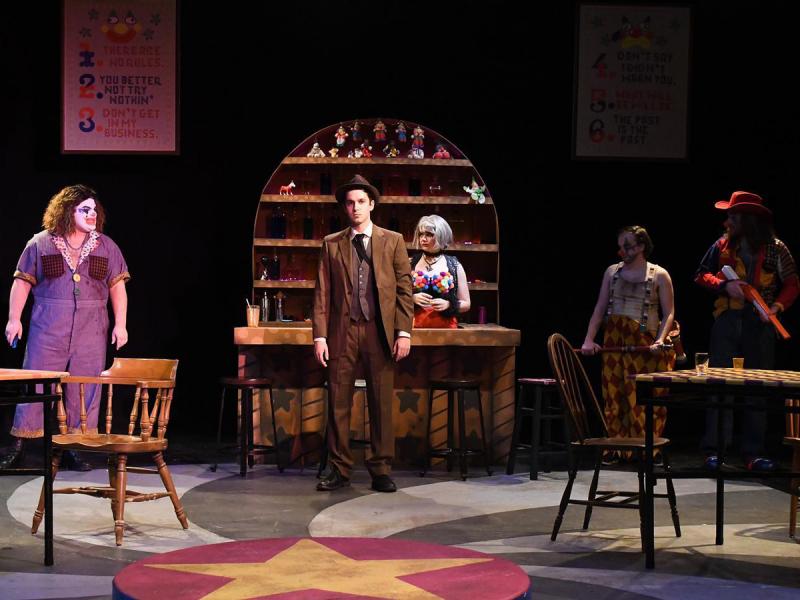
x=299 y=334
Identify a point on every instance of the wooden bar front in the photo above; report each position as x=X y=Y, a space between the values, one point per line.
x=285 y=354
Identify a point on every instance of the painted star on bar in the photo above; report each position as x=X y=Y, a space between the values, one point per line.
x=309 y=565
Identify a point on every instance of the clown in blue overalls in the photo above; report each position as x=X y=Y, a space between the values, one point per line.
x=73 y=269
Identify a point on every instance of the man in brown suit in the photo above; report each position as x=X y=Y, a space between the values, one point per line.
x=363 y=314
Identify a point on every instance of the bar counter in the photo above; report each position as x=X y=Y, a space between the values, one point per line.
x=284 y=353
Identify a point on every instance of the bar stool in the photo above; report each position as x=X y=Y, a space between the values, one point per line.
x=360 y=386
x=455 y=389
x=247 y=449
x=546 y=410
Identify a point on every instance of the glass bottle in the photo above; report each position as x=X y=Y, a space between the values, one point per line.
x=394 y=222
x=277 y=224
x=273 y=267
x=308 y=225
x=293 y=226
x=336 y=222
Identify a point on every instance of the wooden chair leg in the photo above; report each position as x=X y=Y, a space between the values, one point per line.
x=592 y=489
x=512 y=454
x=38 y=514
x=219 y=430
x=278 y=460
x=640 y=499
x=169 y=485
x=487 y=447
x=562 y=508
x=112 y=482
x=121 y=488
x=673 y=503
x=426 y=457
x=462 y=436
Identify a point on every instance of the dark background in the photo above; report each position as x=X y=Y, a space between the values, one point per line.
x=496 y=78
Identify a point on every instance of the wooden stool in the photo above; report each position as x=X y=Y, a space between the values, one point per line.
x=360 y=386
x=545 y=411
x=455 y=388
x=247 y=449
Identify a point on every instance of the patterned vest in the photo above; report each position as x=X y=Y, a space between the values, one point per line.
x=362 y=302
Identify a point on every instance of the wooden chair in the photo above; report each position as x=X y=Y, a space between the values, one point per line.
x=793 y=439
x=580 y=401
x=150 y=378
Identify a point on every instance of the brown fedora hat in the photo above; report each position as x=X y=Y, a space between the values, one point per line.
x=744 y=202
x=357 y=183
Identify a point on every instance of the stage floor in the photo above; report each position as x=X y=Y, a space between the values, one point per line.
x=507 y=516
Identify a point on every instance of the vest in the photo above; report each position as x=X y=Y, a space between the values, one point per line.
x=362 y=302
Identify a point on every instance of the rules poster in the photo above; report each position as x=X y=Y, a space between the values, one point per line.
x=119 y=76
x=632 y=82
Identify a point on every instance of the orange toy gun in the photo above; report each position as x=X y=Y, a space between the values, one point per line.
x=752 y=295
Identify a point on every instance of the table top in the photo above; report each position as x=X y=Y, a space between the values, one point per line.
x=28 y=375
x=726 y=376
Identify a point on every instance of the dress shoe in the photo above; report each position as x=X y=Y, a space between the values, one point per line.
x=14 y=456
x=711 y=462
x=332 y=481
x=72 y=461
x=383 y=483
x=759 y=463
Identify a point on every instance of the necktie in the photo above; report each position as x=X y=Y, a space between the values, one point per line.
x=358 y=242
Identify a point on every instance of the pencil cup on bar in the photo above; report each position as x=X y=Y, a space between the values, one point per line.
x=701 y=362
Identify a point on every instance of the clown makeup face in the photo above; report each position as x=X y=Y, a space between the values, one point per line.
x=629 y=248
x=86 y=216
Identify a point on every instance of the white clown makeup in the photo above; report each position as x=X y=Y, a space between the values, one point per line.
x=86 y=216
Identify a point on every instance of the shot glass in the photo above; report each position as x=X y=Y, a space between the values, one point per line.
x=738 y=362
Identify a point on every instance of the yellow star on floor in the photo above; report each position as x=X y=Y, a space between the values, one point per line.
x=310 y=565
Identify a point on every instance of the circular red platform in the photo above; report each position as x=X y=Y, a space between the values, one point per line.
x=320 y=568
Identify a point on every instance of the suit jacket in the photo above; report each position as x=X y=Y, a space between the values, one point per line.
x=334 y=288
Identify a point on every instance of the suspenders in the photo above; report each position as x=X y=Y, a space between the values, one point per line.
x=648 y=292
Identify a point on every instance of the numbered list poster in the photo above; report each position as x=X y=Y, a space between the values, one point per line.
x=632 y=82
x=119 y=76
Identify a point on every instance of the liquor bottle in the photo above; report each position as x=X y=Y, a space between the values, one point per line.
x=394 y=222
x=336 y=222
x=308 y=225
x=325 y=184
x=277 y=224
x=273 y=267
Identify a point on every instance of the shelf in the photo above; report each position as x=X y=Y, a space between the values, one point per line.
x=303 y=284
x=483 y=287
x=309 y=285
x=290 y=243
x=297 y=198
x=293 y=243
x=439 y=162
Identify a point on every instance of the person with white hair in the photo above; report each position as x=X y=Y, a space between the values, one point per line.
x=439 y=280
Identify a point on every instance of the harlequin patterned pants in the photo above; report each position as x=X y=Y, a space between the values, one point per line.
x=623 y=417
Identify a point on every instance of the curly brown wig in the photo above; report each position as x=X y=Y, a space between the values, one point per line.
x=59 y=216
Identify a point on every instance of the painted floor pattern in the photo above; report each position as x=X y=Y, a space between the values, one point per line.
x=507 y=516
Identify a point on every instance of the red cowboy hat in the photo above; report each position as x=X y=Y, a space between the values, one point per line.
x=744 y=202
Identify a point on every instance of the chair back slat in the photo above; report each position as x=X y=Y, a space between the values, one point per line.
x=574 y=388
x=61 y=414
x=109 y=407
